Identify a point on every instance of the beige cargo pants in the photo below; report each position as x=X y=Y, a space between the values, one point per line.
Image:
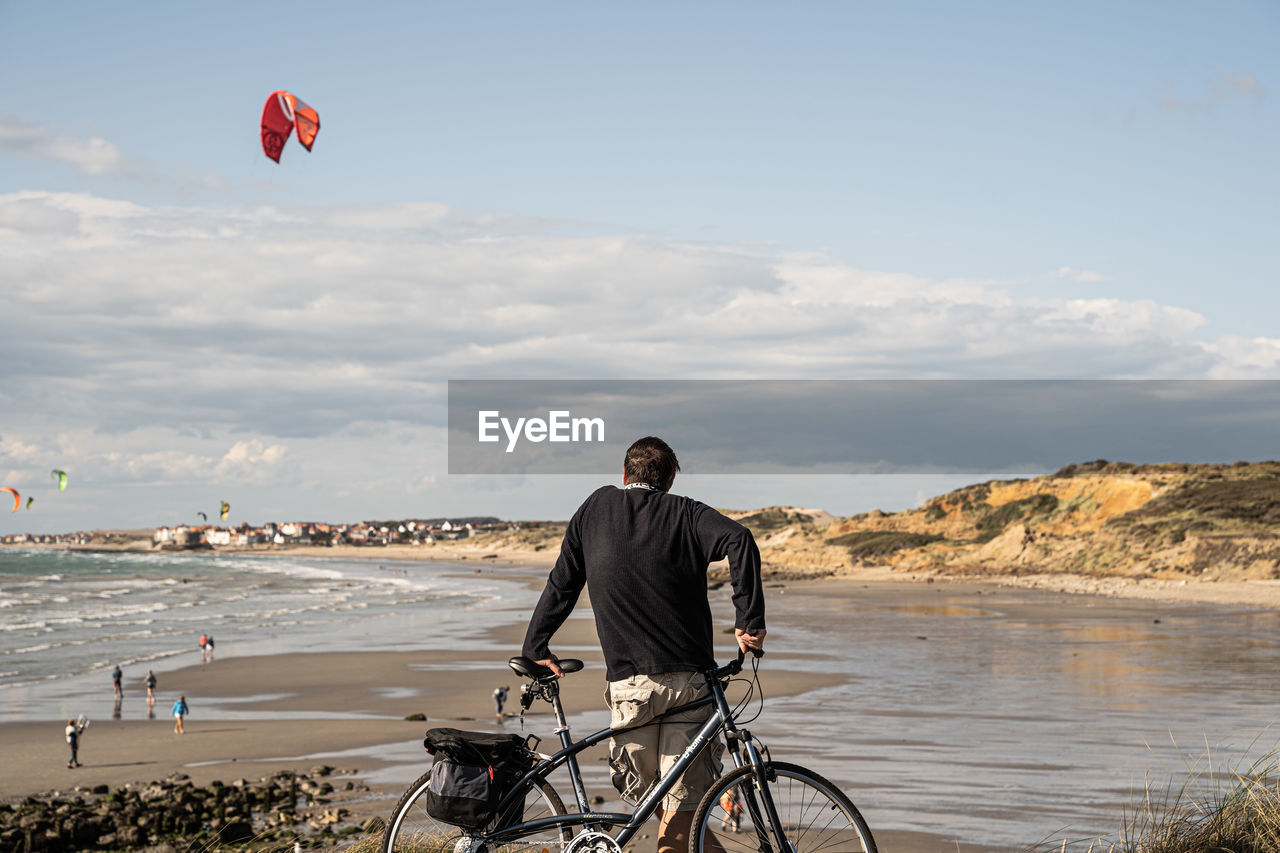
x=640 y=757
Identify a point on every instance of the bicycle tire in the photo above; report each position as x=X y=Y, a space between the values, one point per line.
x=412 y=830
x=816 y=816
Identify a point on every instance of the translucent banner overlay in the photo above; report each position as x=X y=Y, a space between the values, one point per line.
x=857 y=426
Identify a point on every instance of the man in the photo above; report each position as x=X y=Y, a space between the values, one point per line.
x=117 y=677
x=500 y=698
x=643 y=553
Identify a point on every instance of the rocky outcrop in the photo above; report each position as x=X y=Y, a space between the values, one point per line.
x=175 y=815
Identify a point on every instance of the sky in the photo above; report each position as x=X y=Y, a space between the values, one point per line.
x=596 y=191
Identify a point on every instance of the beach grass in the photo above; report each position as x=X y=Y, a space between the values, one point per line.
x=373 y=843
x=1231 y=812
x=1212 y=808
x=421 y=843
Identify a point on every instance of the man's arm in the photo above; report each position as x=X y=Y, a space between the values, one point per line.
x=726 y=538
x=559 y=596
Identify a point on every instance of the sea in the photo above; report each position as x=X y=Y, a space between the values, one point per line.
x=998 y=717
x=68 y=616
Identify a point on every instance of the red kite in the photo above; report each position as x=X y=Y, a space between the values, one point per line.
x=283 y=112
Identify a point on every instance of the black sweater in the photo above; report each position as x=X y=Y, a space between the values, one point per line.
x=643 y=556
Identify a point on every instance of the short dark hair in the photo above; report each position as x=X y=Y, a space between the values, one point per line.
x=651 y=461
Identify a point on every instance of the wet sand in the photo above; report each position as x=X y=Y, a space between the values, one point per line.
x=274 y=710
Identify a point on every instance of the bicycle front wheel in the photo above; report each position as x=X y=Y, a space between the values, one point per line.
x=412 y=830
x=812 y=815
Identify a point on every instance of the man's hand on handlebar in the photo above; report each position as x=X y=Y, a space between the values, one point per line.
x=552 y=664
x=748 y=641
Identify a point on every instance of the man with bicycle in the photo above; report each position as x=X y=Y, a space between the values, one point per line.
x=642 y=553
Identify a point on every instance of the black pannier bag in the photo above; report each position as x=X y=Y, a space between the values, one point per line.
x=471 y=773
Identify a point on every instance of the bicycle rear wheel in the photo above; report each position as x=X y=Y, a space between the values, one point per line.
x=412 y=830
x=814 y=816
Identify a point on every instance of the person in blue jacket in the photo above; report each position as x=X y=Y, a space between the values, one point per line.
x=180 y=710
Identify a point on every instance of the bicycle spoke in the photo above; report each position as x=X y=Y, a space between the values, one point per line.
x=412 y=830
x=834 y=817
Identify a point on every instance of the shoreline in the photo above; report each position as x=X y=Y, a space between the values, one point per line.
x=417 y=553
x=1261 y=594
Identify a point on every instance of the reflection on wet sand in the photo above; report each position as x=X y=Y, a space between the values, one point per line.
x=1003 y=717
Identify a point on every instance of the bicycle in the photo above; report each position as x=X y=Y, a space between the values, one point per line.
x=758 y=806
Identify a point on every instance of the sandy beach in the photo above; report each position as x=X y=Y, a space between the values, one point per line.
x=254 y=714
x=1254 y=593
x=450 y=689
x=369 y=693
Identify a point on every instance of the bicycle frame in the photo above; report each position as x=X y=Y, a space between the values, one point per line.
x=721 y=718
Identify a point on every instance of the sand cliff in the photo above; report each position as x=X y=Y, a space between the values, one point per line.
x=1099 y=519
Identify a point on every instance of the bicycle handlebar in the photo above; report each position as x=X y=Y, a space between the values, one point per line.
x=735 y=666
x=540 y=674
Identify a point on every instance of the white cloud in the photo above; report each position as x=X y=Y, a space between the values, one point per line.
x=1088 y=276
x=144 y=456
x=16 y=452
x=421 y=484
x=257 y=348
x=283 y=323
x=92 y=155
x=35 y=215
x=1237 y=357
x=250 y=461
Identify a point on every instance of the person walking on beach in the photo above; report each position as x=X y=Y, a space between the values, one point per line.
x=731 y=803
x=209 y=645
x=180 y=710
x=500 y=698
x=151 y=687
x=642 y=553
x=73 y=731
x=204 y=647
x=117 y=678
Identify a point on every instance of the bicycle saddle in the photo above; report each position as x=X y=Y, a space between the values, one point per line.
x=526 y=668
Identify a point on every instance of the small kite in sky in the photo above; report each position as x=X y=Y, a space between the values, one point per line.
x=282 y=113
x=17 y=498
x=226 y=508
x=61 y=476
x=30 y=501
x=202 y=515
